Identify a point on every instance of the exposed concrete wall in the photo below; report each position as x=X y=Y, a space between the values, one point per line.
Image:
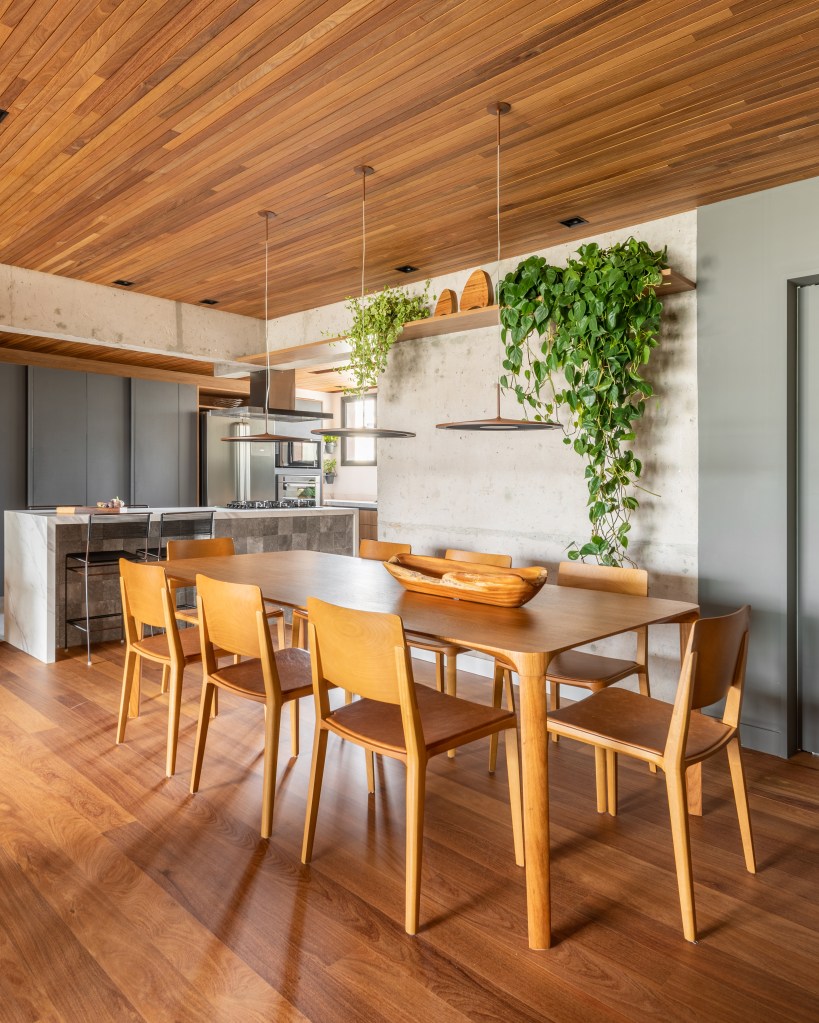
x=524 y=493
x=46 y=305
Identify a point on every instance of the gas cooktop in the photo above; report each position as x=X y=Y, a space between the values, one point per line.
x=287 y=502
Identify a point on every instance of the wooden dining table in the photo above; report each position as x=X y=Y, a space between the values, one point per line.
x=557 y=619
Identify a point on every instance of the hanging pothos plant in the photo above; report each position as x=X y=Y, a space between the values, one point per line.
x=377 y=321
x=576 y=339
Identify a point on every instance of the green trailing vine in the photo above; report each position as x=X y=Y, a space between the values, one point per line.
x=577 y=339
x=377 y=321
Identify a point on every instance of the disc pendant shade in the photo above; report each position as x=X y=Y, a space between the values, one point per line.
x=361 y=431
x=498 y=422
x=266 y=436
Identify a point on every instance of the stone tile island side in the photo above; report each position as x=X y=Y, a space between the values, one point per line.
x=36 y=544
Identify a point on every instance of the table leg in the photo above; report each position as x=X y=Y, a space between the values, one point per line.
x=693 y=776
x=535 y=776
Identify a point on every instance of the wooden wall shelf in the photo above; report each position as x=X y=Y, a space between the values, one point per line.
x=333 y=351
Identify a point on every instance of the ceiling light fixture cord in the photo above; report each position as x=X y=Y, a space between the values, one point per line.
x=266 y=331
x=363 y=225
x=497 y=265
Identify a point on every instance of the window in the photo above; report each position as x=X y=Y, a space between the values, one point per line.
x=358 y=412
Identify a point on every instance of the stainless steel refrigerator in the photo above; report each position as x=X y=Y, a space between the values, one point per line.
x=245 y=472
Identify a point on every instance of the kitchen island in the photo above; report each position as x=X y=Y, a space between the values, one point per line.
x=36 y=543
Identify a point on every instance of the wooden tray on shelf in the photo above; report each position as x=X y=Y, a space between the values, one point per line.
x=460 y=580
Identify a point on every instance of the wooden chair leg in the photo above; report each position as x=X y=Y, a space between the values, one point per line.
x=600 y=779
x=280 y=632
x=174 y=706
x=741 y=800
x=416 y=780
x=314 y=793
x=297 y=631
x=497 y=693
x=136 y=688
x=128 y=674
x=208 y=692
x=294 y=728
x=554 y=702
x=166 y=674
x=439 y=671
x=678 y=812
x=272 y=725
x=611 y=781
x=510 y=739
x=450 y=686
x=214 y=706
x=370 y=759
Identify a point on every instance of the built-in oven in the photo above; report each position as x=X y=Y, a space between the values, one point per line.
x=297 y=454
x=298 y=486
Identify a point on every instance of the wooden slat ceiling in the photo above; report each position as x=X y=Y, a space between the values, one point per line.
x=144 y=135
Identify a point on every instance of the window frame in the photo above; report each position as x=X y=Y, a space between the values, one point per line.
x=346 y=402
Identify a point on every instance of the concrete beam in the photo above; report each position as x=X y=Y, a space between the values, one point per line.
x=46 y=305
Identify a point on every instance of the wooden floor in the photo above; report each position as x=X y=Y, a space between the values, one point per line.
x=123 y=897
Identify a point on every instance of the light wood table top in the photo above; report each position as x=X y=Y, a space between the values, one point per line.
x=557 y=619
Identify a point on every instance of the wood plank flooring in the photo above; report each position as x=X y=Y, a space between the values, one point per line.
x=123 y=897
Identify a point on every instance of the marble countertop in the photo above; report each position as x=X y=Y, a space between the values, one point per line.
x=221 y=513
x=350 y=502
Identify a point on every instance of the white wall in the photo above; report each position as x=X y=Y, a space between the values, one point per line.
x=524 y=493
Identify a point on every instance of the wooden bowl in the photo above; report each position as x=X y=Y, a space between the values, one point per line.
x=460 y=580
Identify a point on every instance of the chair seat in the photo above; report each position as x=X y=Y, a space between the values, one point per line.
x=102 y=557
x=636 y=722
x=574 y=667
x=292 y=663
x=446 y=721
x=156 y=647
x=421 y=642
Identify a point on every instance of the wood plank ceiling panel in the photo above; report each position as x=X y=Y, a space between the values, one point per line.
x=144 y=136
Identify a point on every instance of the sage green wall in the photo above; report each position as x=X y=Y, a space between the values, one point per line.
x=748 y=249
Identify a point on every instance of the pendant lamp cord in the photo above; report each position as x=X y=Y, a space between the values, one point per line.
x=266 y=329
x=497 y=265
x=363 y=226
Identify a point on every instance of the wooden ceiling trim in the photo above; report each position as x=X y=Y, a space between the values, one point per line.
x=184 y=147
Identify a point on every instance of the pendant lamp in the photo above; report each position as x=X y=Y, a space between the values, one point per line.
x=361 y=431
x=267 y=436
x=498 y=422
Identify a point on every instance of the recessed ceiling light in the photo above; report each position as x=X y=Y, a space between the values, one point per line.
x=124 y=284
x=208 y=301
x=574 y=222
x=406 y=269
x=3 y=115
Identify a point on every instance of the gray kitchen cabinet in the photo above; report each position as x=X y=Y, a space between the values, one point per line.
x=163 y=443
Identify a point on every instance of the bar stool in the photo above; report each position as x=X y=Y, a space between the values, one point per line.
x=185 y=525
x=104 y=530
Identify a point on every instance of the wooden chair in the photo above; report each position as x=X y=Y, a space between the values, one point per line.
x=671 y=737
x=215 y=547
x=577 y=668
x=147 y=601
x=365 y=653
x=232 y=618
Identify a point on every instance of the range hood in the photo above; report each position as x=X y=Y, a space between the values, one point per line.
x=283 y=403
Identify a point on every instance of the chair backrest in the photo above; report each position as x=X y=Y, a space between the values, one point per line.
x=631 y=581
x=713 y=668
x=102 y=527
x=187 y=525
x=214 y=547
x=144 y=592
x=381 y=550
x=357 y=649
x=479 y=558
x=228 y=614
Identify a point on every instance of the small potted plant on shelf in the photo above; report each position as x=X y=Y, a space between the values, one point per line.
x=329 y=470
x=330 y=442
